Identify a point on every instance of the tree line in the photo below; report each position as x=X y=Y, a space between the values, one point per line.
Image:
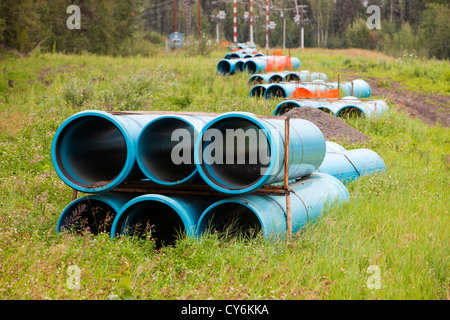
x=140 y=26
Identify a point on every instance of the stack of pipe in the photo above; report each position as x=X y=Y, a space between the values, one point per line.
x=94 y=152
x=250 y=61
x=357 y=88
x=343 y=107
x=286 y=76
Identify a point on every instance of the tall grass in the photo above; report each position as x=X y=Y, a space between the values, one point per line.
x=397 y=221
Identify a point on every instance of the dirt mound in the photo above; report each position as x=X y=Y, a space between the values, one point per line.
x=333 y=128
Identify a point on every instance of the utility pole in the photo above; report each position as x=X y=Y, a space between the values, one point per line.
x=234 y=21
x=174 y=15
x=299 y=20
x=198 y=19
x=284 y=29
x=267 y=24
x=188 y=20
x=251 y=22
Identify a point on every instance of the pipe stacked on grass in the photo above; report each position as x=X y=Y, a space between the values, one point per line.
x=285 y=76
x=357 y=88
x=343 y=107
x=255 y=62
x=242 y=167
x=94 y=152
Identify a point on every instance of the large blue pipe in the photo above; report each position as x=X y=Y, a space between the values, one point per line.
x=165 y=148
x=281 y=90
x=251 y=214
x=164 y=218
x=227 y=66
x=349 y=165
x=94 y=213
x=286 y=76
x=94 y=151
x=258 y=158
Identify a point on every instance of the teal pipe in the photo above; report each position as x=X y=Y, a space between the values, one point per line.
x=280 y=90
x=257 y=162
x=227 y=66
x=165 y=138
x=349 y=165
x=94 y=151
x=251 y=214
x=93 y=213
x=164 y=218
x=255 y=65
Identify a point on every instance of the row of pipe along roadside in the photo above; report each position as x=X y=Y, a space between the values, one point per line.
x=95 y=152
x=285 y=76
x=347 y=106
x=252 y=62
x=357 y=88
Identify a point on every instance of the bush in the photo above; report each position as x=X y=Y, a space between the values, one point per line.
x=200 y=47
x=76 y=92
x=435 y=33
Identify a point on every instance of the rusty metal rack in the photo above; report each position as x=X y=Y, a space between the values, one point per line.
x=143 y=186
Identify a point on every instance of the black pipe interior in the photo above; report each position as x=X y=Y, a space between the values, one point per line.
x=156 y=147
x=258 y=92
x=231 y=219
x=91 y=215
x=152 y=220
x=250 y=67
x=235 y=172
x=224 y=67
x=276 y=79
x=276 y=92
x=95 y=151
x=350 y=112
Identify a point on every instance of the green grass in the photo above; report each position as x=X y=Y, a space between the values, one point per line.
x=398 y=221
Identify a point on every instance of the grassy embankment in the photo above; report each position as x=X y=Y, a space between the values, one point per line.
x=398 y=221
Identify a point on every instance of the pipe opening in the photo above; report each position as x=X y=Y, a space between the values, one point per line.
x=151 y=220
x=91 y=215
x=91 y=152
x=326 y=110
x=231 y=219
x=156 y=148
x=275 y=92
x=239 y=66
x=292 y=77
x=276 y=79
x=224 y=67
x=250 y=67
x=285 y=108
x=258 y=92
x=255 y=80
x=242 y=156
x=350 y=112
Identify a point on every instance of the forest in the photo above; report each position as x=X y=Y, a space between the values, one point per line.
x=129 y=27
